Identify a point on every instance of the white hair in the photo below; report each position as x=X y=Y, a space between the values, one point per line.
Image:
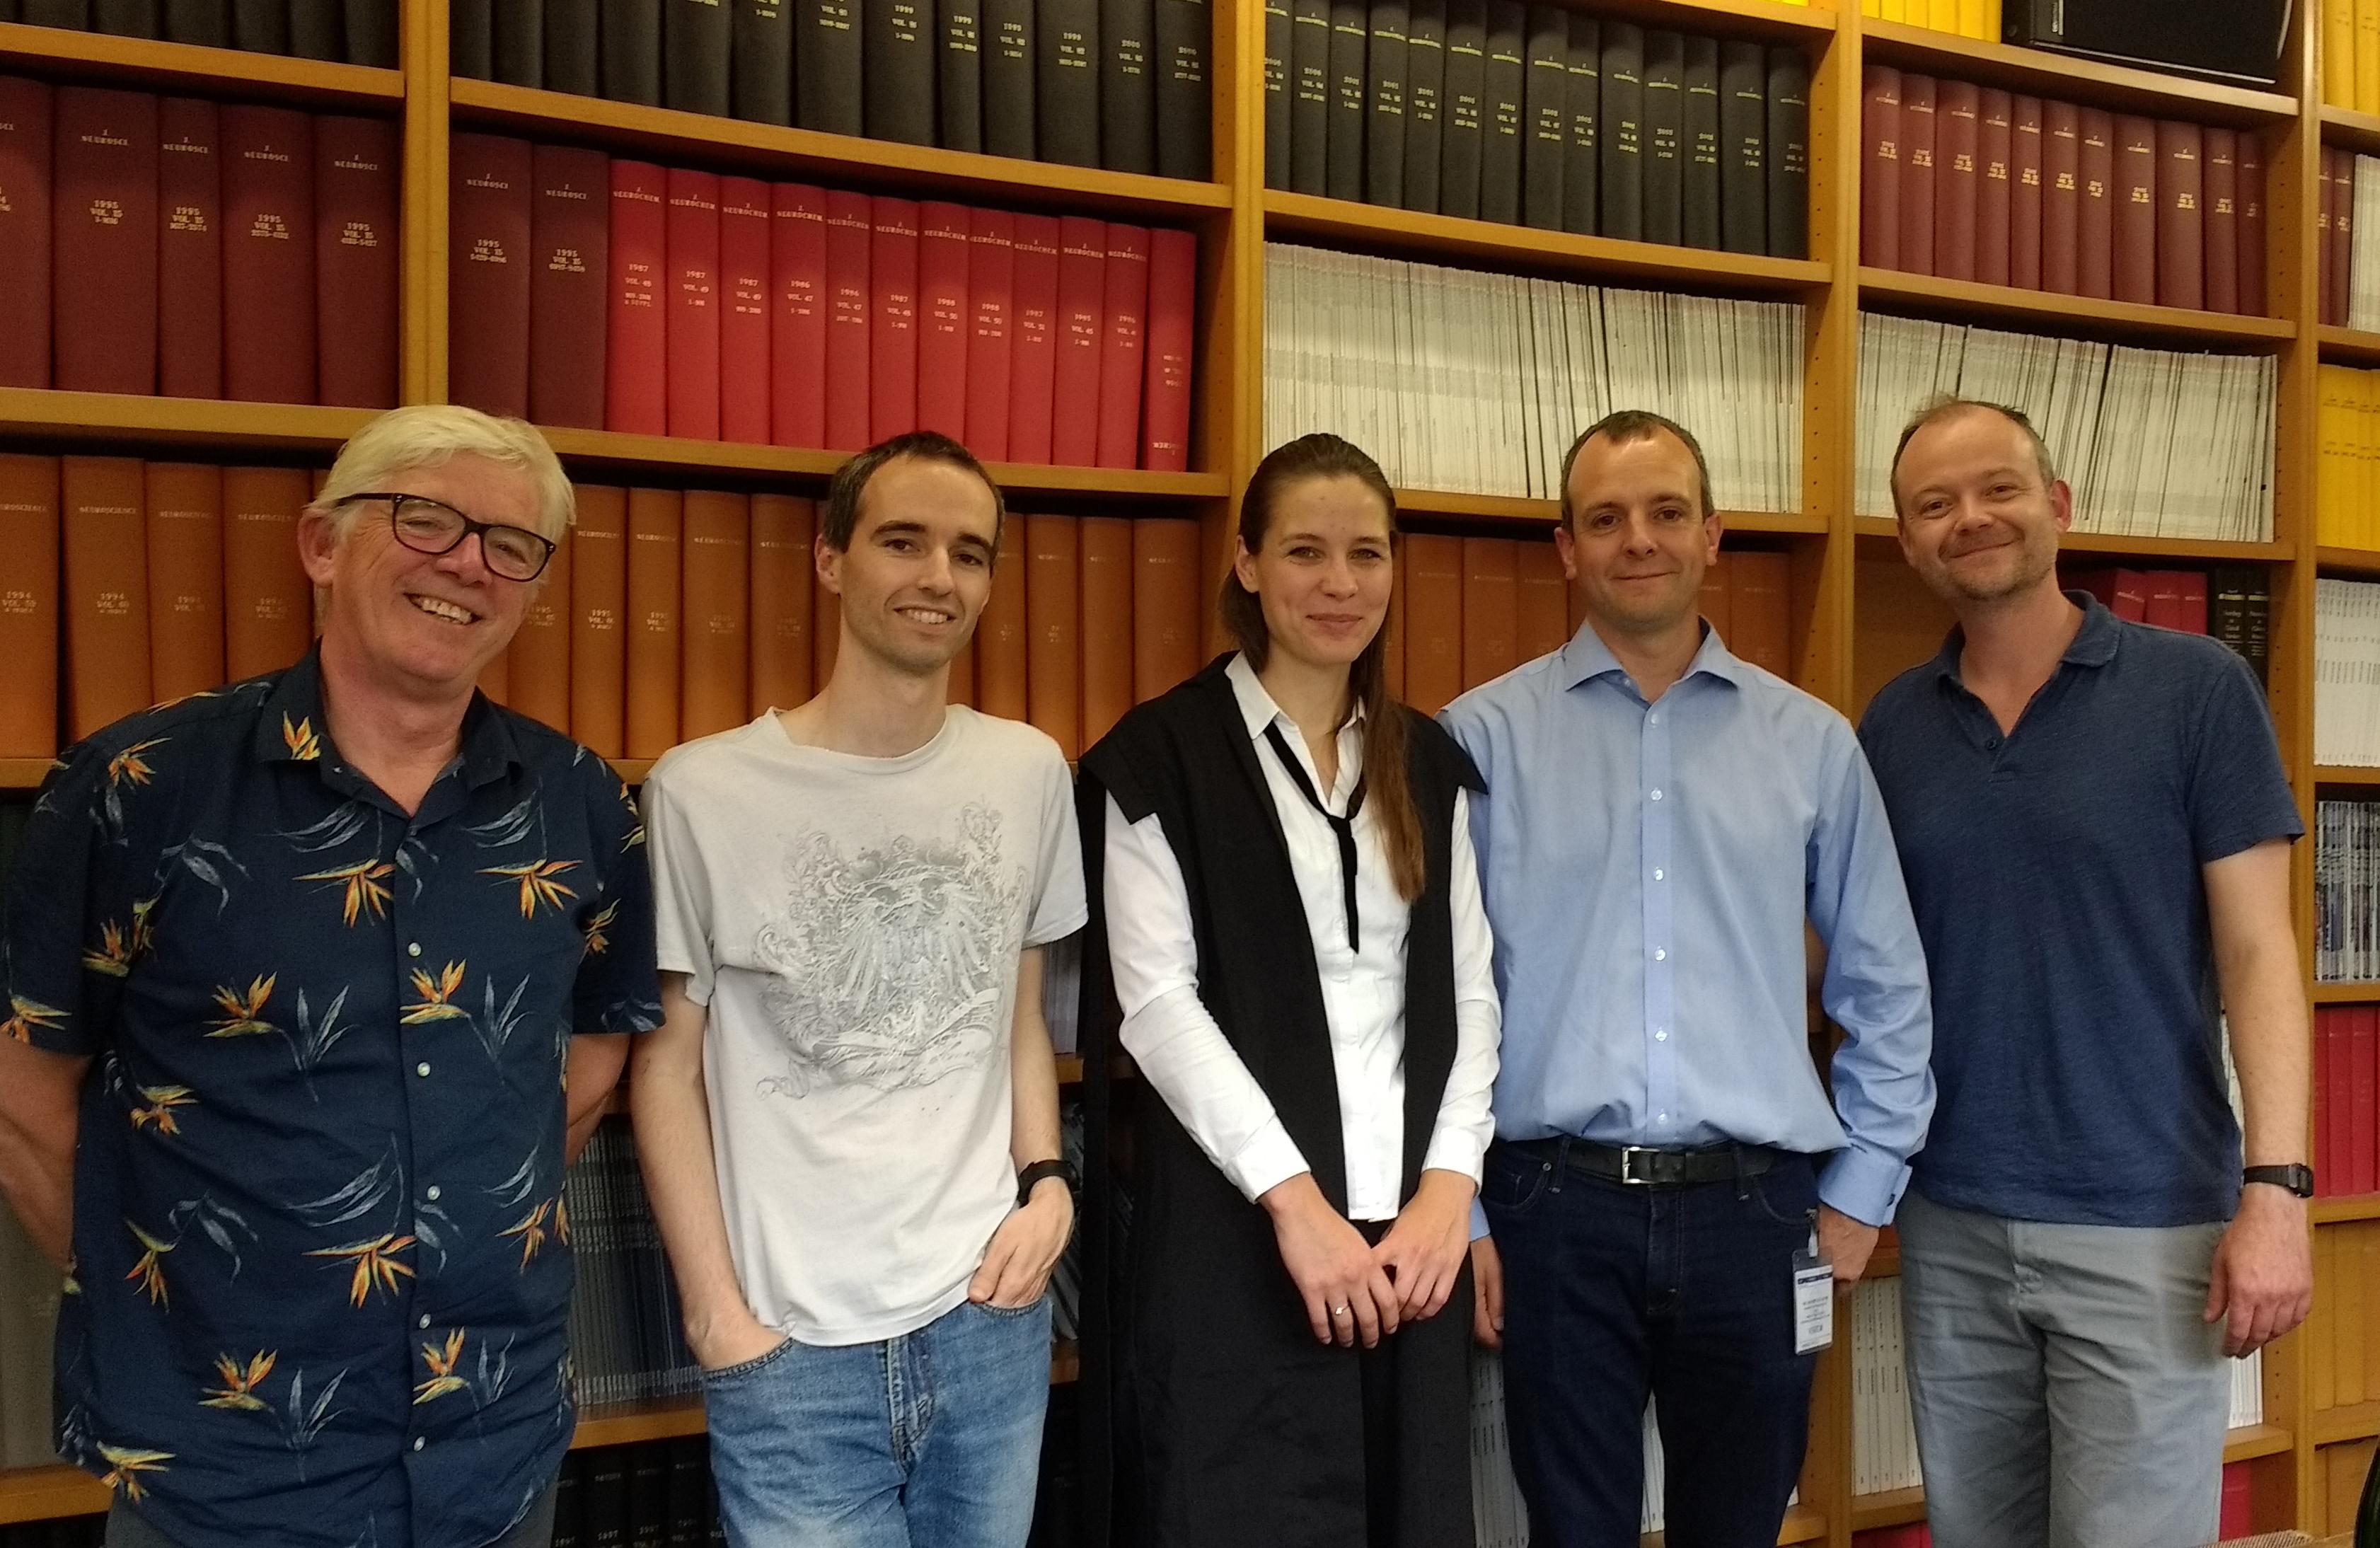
x=430 y=434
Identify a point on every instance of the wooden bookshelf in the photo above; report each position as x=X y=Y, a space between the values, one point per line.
x=1875 y=531
x=665 y=455
x=56 y=54
x=1235 y=215
x=2010 y=308
x=661 y=134
x=2038 y=72
x=1480 y=244
x=1802 y=1523
x=1891 y=1508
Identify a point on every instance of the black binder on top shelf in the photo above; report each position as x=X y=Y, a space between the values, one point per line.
x=896 y=93
x=1350 y=35
x=958 y=74
x=204 y=22
x=573 y=60
x=1277 y=94
x=1788 y=153
x=1008 y=49
x=1700 y=225
x=519 y=42
x=1066 y=81
x=1500 y=151
x=1184 y=29
x=139 y=18
x=1744 y=146
x=371 y=34
x=1622 y=206
x=1664 y=112
x=1384 y=136
x=1127 y=92
x=1544 y=123
x=1309 y=102
x=1462 y=125
x=761 y=49
x=471 y=33
x=1582 y=99
x=630 y=42
x=1424 y=101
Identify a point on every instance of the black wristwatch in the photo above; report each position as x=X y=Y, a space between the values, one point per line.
x=2296 y=1179
x=1032 y=1176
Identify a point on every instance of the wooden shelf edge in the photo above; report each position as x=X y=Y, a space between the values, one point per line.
x=1444 y=506
x=1891 y=1508
x=24 y=773
x=2064 y=76
x=617 y=448
x=2252 y=1441
x=2344 y=1209
x=2120 y=544
x=2360 y=562
x=149 y=63
x=1412 y=233
x=2345 y=126
x=1987 y=304
x=47 y=1492
x=221 y=422
x=880 y=162
x=1801 y=1525
x=2367 y=991
x=654 y=1418
x=2340 y=346
x=2333 y=774
x=2356 y=1422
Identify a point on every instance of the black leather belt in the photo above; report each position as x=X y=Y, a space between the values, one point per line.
x=1641 y=1166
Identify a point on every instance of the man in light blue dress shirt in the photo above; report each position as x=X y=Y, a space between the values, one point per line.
x=1661 y=820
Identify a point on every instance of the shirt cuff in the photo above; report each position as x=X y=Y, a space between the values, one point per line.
x=1864 y=1184
x=1268 y=1159
x=1455 y=1149
x=1479 y=1220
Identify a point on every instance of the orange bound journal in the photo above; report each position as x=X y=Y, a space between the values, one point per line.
x=28 y=606
x=541 y=648
x=1166 y=606
x=1053 y=625
x=1714 y=600
x=106 y=591
x=826 y=630
x=185 y=578
x=268 y=600
x=599 y=606
x=783 y=526
x=713 y=688
x=1107 y=635
x=1760 y=590
x=496 y=677
x=1392 y=647
x=1433 y=625
x=1002 y=673
x=1490 y=602
x=1543 y=604
x=656 y=528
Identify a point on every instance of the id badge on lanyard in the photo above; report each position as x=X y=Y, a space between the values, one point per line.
x=1814 y=1299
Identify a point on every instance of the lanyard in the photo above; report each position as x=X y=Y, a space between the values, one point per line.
x=1343 y=827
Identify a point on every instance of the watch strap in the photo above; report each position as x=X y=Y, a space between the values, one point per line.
x=1034 y=1175
x=2298 y=1179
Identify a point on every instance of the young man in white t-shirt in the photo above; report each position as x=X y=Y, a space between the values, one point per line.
x=849 y=1119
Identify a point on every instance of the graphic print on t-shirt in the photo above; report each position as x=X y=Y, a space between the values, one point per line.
x=885 y=964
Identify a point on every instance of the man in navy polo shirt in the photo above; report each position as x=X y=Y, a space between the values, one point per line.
x=2096 y=829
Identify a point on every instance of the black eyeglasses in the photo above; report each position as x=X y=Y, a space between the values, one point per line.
x=428 y=526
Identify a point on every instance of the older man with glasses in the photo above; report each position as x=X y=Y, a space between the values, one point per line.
x=312 y=984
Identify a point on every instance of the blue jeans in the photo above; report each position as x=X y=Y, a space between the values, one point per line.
x=931 y=1440
x=1612 y=1293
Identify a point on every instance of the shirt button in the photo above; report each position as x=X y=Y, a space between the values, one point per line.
x=425 y=1321
x=1656 y=874
x=1652 y=720
x=433 y=1191
x=413 y=948
x=1658 y=956
x=1657 y=795
x=1660 y=1037
x=1991 y=743
x=422 y=1069
x=417 y=1442
x=1663 y=1117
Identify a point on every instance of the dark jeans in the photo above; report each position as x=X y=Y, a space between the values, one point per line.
x=1613 y=1292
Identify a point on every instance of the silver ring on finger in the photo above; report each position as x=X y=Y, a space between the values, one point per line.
x=1339 y=1312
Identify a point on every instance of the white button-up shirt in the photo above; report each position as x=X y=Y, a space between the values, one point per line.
x=1183 y=1054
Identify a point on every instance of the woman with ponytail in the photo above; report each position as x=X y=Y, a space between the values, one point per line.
x=1287 y=941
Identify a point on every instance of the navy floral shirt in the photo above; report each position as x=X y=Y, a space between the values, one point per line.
x=321 y=1272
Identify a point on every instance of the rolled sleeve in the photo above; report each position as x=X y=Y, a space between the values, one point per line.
x=2239 y=792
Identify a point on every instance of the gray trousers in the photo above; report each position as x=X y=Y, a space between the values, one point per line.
x=2068 y=1392
x=126 y=1529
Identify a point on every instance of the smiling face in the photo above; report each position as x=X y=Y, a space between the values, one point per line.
x=431 y=620
x=1324 y=572
x=915 y=577
x=1637 y=540
x=1978 y=521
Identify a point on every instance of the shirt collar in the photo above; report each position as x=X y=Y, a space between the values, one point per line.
x=2094 y=644
x=293 y=729
x=1256 y=707
x=1587 y=657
